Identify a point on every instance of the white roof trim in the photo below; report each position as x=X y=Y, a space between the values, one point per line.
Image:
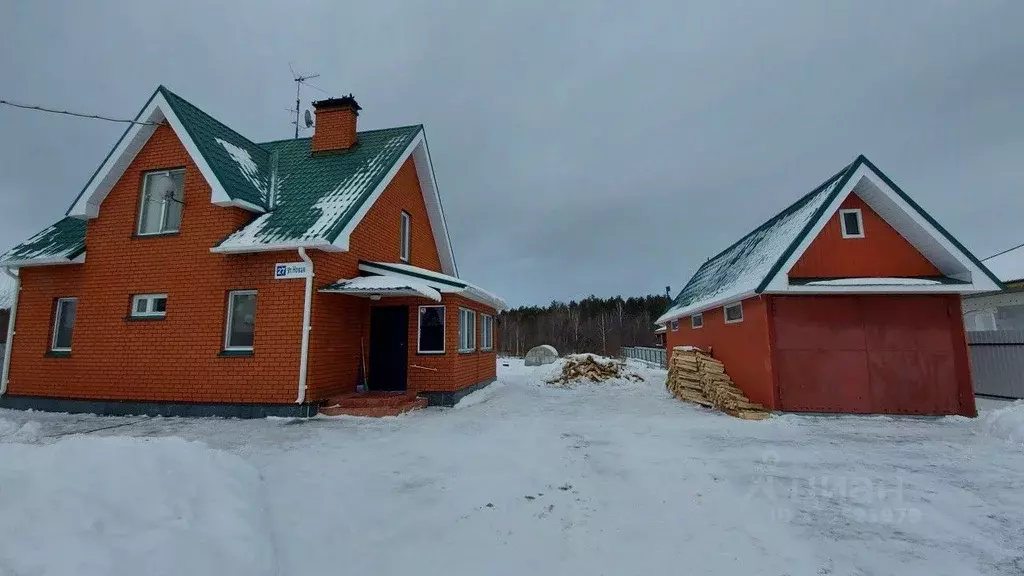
x=703 y=306
x=439 y=283
x=417 y=149
x=386 y=286
x=254 y=248
x=58 y=261
x=903 y=218
x=157 y=110
x=878 y=289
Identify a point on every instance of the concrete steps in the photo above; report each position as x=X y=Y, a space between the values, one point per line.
x=373 y=404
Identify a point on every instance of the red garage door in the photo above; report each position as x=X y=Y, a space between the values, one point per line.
x=866 y=354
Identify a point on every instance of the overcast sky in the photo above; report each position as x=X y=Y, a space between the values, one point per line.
x=581 y=147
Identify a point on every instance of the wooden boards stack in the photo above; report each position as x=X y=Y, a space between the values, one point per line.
x=694 y=376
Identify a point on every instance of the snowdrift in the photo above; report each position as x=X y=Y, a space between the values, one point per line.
x=1006 y=423
x=110 y=506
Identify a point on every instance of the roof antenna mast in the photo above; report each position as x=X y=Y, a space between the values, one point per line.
x=299 y=81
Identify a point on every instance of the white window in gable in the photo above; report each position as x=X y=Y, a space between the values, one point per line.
x=149 y=306
x=697 y=321
x=163 y=195
x=486 y=332
x=240 y=330
x=406 y=236
x=63 y=324
x=852 y=222
x=431 y=330
x=734 y=313
x=467 y=330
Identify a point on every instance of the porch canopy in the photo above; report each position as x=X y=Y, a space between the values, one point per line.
x=389 y=279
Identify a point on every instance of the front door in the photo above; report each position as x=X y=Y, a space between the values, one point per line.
x=389 y=337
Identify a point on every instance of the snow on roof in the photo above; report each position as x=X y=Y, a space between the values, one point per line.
x=6 y=292
x=447 y=283
x=1008 y=265
x=875 y=282
x=59 y=243
x=737 y=272
x=386 y=284
x=247 y=166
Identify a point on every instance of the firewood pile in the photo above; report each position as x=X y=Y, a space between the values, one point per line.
x=587 y=368
x=694 y=376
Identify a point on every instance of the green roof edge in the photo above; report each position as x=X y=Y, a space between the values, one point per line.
x=384 y=265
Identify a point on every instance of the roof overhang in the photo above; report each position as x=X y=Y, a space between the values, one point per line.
x=377 y=287
x=443 y=283
x=53 y=261
x=279 y=247
x=156 y=111
x=420 y=153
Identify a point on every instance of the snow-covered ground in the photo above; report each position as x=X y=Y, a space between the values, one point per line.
x=523 y=478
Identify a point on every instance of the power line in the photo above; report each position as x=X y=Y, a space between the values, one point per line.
x=75 y=114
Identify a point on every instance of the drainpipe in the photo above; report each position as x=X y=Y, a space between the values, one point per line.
x=10 y=331
x=307 y=306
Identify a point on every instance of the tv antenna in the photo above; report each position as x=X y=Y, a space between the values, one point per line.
x=300 y=80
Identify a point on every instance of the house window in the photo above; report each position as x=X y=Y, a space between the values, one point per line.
x=431 y=330
x=675 y=325
x=697 y=320
x=149 y=306
x=486 y=332
x=163 y=194
x=406 y=236
x=467 y=330
x=241 y=323
x=734 y=313
x=853 y=223
x=63 y=324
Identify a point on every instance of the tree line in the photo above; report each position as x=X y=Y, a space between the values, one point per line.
x=598 y=325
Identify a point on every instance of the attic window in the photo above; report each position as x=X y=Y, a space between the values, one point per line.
x=697 y=321
x=733 y=313
x=853 y=223
x=163 y=194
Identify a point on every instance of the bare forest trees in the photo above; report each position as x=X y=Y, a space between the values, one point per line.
x=598 y=325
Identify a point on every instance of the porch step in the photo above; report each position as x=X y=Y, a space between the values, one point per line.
x=373 y=404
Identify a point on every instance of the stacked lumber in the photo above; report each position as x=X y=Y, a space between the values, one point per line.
x=581 y=368
x=694 y=376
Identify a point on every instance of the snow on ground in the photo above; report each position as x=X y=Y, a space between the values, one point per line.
x=523 y=479
x=1006 y=423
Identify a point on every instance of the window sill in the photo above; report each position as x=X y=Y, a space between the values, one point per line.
x=236 y=354
x=145 y=318
x=473 y=351
x=438 y=353
x=57 y=354
x=137 y=236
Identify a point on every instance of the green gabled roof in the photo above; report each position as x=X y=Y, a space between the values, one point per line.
x=744 y=267
x=64 y=241
x=317 y=195
x=241 y=166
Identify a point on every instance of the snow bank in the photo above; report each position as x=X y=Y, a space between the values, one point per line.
x=87 y=505
x=1006 y=423
x=480 y=396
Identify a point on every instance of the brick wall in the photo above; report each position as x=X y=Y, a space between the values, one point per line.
x=171 y=359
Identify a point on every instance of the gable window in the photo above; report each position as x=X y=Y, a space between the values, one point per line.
x=467 y=330
x=63 y=324
x=431 y=330
x=240 y=329
x=486 y=332
x=697 y=320
x=853 y=223
x=734 y=313
x=675 y=325
x=406 y=236
x=163 y=194
x=149 y=306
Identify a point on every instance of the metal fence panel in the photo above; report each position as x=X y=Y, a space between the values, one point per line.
x=652 y=356
x=997 y=362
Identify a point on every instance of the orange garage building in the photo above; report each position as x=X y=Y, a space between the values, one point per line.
x=846 y=301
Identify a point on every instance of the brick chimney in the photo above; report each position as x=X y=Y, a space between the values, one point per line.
x=335 y=124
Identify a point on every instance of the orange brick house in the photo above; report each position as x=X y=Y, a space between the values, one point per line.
x=200 y=273
x=846 y=301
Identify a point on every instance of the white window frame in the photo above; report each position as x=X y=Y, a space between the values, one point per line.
x=227 y=325
x=405 y=252
x=725 y=312
x=694 y=319
x=860 y=222
x=486 y=332
x=419 y=331
x=675 y=325
x=163 y=204
x=150 y=300
x=467 y=338
x=56 y=323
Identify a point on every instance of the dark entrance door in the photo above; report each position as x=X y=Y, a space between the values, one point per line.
x=389 y=359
